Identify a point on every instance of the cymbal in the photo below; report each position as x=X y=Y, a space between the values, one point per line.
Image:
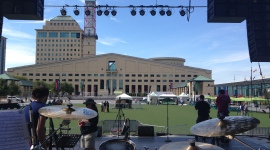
x=230 y=125
x=67 y=112
x=189 y=146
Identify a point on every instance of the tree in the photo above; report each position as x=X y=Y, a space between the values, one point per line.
x=3 y=87
x=66 y=87
x=40 y=84
x=20 y=78
x=13 y=89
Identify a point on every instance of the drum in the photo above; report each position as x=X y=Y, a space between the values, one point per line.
x=120 y=144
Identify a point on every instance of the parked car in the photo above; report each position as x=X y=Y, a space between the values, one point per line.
x=16 y=98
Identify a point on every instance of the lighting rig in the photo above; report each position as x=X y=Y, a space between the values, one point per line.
x=162 y=10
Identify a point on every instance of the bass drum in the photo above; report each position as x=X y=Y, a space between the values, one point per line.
x=117 y=144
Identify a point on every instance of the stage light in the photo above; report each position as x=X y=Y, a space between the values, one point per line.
x=87 y=12
x=99 y=12
x=162 y=12
x=153 y=12
x=63 y=11
x=76 y=11
x=142 y=12
x=169 y=12
x=113 y=12
x=182 y=12
x=133 y=12
x=106 y=12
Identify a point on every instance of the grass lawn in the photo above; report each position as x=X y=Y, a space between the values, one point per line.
x=157 y=115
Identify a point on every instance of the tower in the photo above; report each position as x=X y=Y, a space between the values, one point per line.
x=90 y=36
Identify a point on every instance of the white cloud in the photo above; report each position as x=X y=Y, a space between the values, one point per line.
x=17 y=34
x=111 y=41
x=231 y=57
x=32 y=22
x=114 y=19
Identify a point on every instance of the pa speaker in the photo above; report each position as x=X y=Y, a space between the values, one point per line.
x=146 y=131
x=99 y=131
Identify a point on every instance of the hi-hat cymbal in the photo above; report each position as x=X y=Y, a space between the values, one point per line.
x=231 y=125
x=189 y=146
x=67 y=112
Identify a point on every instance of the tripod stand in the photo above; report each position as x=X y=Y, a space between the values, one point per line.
x=118 y=119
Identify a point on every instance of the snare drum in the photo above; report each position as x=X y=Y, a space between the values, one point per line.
x=116 y=144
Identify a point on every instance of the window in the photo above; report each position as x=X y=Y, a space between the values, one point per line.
x=133 y=75
x=158 y=75
x=139 y=75
x=189 y=75
x=89 y=75
x=44 y=74
x=170 y=80
x=83 y=75
x=64 y=34
x=183 y=80
x=37 y=74
x=176 y=80
x=70 y=74
x=75 y=35
x=120 y=75
x=76 y=74
x=42 y=34
x=171 y=75
x=76 y=80
x=139 y=80
x=195 y=75
x=95 y=80
x=126 y=80
x=50 y=74
x=152 y=75
x=177 y=75
x=53 y=34
x=102 y=75
x=158 y=80
x=145 y=75
x=164 y=81
x=164 y=75
x=89 y=80
x=133 y=80
x=145 y=80
x=95 y=75
x=127 y=75
x=182 y=75
x=57 y=74
x=63 y=74
x=152 y=81
x=69 y=80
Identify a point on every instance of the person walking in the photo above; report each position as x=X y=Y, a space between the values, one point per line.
x=40 y=96
x=88 y=128
x=203 y=109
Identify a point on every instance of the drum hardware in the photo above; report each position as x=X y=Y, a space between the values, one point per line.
x=190 y=145
x=117 y=144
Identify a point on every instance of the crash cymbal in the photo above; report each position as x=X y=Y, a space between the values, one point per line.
x=191 y=145
x=67 y=112
x=230 y=125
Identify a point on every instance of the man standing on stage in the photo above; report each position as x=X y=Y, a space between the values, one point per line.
x=223 y=101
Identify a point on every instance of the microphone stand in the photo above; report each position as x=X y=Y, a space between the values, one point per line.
x=32 y=126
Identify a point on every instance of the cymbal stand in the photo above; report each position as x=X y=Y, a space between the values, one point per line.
x=32 y=126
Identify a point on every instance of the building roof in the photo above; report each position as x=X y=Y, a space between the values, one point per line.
x=107 y=54
x=7 y=77
x=178 y=85
x=26 y=83
x=201 y=79
x=62 y=18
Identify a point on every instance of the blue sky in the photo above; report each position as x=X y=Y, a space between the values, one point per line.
x=220 y=47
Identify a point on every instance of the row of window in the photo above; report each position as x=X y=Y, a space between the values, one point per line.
x=96 y=80
x=62 y=24
x=41 y=59
x=57 y=50
x=56 y=54
x=43 y=34
x=56 y=40
x=108 y=75
x=56 y=45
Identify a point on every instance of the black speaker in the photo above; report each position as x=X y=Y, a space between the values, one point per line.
x=99 y=131
x=23 y=9
x=227 y=11
x=258 y=31
x=146 y=131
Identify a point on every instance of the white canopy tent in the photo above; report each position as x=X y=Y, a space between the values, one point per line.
x=123 y=100
x=173 y=98
x=184 y=97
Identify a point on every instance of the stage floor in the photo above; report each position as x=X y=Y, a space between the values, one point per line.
x=155 y=142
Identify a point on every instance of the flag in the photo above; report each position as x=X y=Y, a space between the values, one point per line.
x=254 y=70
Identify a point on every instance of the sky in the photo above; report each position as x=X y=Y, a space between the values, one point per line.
x=220 y=47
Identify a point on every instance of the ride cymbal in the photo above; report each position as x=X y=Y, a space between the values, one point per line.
x=230 y=125
x=67 y=112
x=189 y=146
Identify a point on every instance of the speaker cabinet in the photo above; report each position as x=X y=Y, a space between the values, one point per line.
x=227 y=11
x=23 y=9
x=146 y=131
x=258 y=32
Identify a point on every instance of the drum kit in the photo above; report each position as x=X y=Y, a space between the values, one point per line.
x=230 y=125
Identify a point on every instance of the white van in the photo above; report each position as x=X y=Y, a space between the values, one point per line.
x=17 y=99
